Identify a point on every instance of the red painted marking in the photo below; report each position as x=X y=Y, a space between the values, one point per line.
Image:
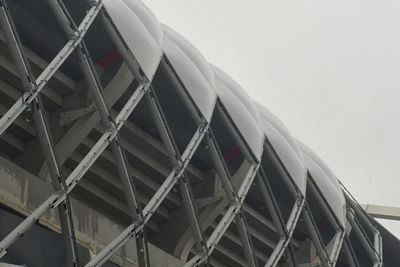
x=323 y=224
x=108 y=59
x=232 y=152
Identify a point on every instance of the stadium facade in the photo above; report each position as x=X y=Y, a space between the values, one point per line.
x=122 y=146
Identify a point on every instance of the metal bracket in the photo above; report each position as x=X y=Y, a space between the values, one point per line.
x=207 y=201
x=72 y=115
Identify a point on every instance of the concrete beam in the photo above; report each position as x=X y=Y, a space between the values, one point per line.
x=382 y=212
x=145 y=180
x=64 y=83
x=49 y=93
x=23 y=192
x=13 y=141
x=162 y=212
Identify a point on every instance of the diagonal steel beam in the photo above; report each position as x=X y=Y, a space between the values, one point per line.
x=285 y=229
x=375 y=248
x=349 y=253
x=154 y=202
x=95 y=86
x=339 y=230
x=234 y=212
x=315 y=237
x=28 y=97
x=44 y=135
x=224 y=175
x=362 y=236
x=176 y=159
x=76 y=175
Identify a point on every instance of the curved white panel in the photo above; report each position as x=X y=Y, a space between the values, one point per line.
x=290 y=159
x=193 y=71
x=238 y=91
x=140 y=30
x=279 y=126
x=327 y=183
x=194 y=54
x=241 y=111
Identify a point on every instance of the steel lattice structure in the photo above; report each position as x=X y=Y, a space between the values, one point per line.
x=208 y=132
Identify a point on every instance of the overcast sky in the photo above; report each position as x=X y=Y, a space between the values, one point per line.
x=328 y=69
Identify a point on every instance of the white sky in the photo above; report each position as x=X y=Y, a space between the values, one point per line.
x=328 y=69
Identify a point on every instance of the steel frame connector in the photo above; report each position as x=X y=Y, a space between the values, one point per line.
x=236 y=199
x=315 y=237
x=376 y=251
x=28 y=97
x=285 y=229
x=45 y=137
x=350 y=254
x=226 y=220
x=154 y=202
x=26 y=224
x=231 y=194
x=362 y=236
x=58 y=180
x=77 y=174
x=299 y=203
x=340 y=232
x=176 y=159
x=94 y=84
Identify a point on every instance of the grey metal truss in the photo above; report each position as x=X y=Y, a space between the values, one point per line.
x=45 y=137
x=28 y=97
x=31 y=99
x=286 y=230
x=109 y=137
x=339 y=230
x=150 y=208
x=95 y=87
x=176 y=159
x=230 y=192
x=182 y=162
x=315 y=236
x=374 y=248
x=327 y=259
x=236 y=198
x=349 y=253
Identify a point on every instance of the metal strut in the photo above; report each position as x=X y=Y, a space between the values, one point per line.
x=350 y=254
x=285 y=230
x=272 y=206
x=28 y=97
x=315 y=237
x=299 y=200
x=176 y=159
x=225 y=177
x=339 y=230
x=362 y=236
x=375 y=249
x=154 y=202
x=95 y=86
x=236 y=198
x=45 y=137
x=327 y=259
x=77 y=174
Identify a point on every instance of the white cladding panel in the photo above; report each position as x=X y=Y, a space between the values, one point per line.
x=193 y=71
x=241 y=111
x=327 y=184
x=140 y=30
x=280 y=127
x=290 y=159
